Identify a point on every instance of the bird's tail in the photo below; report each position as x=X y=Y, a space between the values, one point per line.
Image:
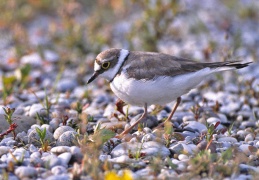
x=236 y=64
x=228 y=65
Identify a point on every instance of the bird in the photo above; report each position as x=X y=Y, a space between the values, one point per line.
x=144 y=78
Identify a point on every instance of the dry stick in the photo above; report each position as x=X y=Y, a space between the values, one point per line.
x=11 y=129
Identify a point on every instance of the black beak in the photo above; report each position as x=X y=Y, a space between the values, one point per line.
x=93 y=77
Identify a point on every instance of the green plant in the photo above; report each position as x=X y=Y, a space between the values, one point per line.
x=45 y=104
x=213 y=165
x=8 y=85
x=79 y=108
x=102 y=134
x=44 y=142
x=8 y=114
x=154 y=23
x=211 y=130
x=41 y=119
x=8 y=117
x=170 y=163
x=157 y=109
x=23 y=75
x=138 y=154
x=90 y=145
x=196 y=111
x=17 y=161
x=168 y=132
x=230 y=129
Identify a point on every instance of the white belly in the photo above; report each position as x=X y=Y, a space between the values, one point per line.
x=161 y=91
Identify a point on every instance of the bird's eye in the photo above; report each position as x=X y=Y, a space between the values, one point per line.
x=106 y=65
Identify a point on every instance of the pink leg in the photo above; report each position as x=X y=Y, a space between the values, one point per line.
x=131 y=127
x=178 y=101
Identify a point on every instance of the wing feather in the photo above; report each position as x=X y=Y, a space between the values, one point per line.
x=150 y=65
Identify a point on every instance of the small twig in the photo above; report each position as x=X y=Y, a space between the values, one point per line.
x=11 y=129
x=64 y=120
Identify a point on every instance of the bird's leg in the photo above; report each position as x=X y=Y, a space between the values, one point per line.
x=178 y=101
x=119 y=105
x=131 y=127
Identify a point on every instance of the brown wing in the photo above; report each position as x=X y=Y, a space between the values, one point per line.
x=149 y=65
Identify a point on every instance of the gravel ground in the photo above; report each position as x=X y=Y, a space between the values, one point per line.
x=66 y=130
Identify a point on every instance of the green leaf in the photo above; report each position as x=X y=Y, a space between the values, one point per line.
x=8 y=80
x=25 y=71
x=5 y=110
x=226 y=155
x=103 y=135
x=8 y=83
x=44 y=133
x=97 y=127
x=38 y=131
x=168 y=127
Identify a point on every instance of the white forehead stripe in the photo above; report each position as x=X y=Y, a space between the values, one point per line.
x=111 y=73
x=97 y=67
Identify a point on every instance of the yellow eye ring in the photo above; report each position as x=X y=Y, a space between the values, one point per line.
x=106 y=65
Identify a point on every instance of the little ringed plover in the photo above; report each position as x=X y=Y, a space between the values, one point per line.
x=145 y=78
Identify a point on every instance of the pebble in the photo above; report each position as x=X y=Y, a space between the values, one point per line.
x=247 y=149
x=123 y=159
x=104 y=157
x=37 y=108
x=48 y=127
x=68 y=138
x=114 y=125
x=24 y=123
x=51 y=56
x=35 y=155
x=150 y=148
x=180 y=148
x=249 y=137
x=227 y=139
x=54 y=123
x=21 y=153
x=148 y=137
x=66 y=85
x=149 y=121
x=59 y=131
x=34 y=138
x=145 y=172
x=230 y=108
x=22 y=137
x=52 y=161
x=247 y=168
x=36 y=161
x=33 y=59
x=167 y=174
x=196 y=126
x=109 y=110
x=65 y=158
x=24 y=172
x=76 y=152
x=57 y=170
x=59 y=177
x=60 y=149
x=183 y=157
x=4 y=150
x=246 y=124
x=8 y=141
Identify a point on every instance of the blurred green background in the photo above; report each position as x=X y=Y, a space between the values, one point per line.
x=77 y=28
